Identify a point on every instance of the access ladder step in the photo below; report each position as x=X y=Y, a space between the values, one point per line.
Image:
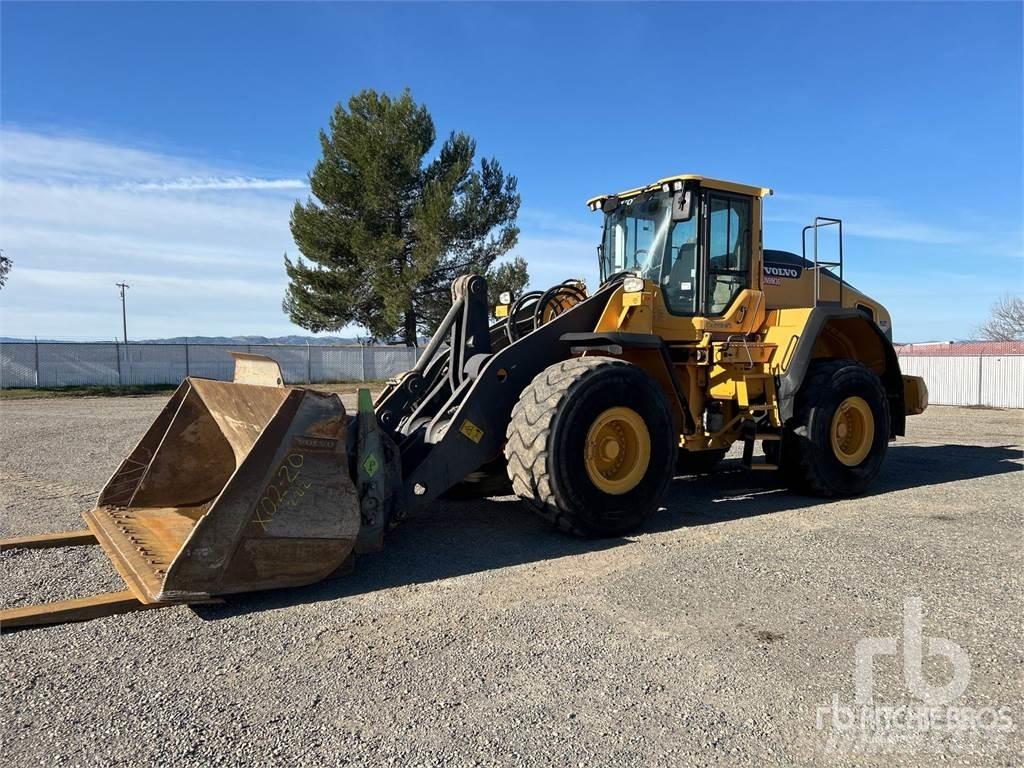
x=750 y=436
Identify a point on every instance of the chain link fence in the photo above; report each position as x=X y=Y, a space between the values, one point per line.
x=992 y=380
x=65 y=364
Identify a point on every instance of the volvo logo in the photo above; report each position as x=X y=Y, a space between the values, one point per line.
x=780 y=270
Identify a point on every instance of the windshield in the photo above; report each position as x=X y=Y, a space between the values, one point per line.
x=634 y=236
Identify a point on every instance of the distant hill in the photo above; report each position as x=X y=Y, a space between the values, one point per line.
x=293 y=339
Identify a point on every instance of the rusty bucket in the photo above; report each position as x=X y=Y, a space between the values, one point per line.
x=236 y=486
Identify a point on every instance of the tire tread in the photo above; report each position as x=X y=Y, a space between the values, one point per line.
x=529 y=432
x=801 y=469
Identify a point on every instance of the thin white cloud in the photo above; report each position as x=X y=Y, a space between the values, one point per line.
x=557 y=246
x=540 y=221
x=881 y=220
x=552 y=259
x=233 y=184
x=937 y=303
x=33 y=155
x=201 y=244
x=154 y=285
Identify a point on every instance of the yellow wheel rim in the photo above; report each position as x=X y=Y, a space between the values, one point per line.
x=618 y=450
x=853 y=431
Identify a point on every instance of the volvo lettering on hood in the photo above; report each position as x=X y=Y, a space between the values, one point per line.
x=783 y=270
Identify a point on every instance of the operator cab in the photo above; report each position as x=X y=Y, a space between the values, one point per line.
x=695 y=237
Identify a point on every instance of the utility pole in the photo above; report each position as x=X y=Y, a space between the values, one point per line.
x=124 y=318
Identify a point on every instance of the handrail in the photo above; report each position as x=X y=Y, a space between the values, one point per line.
x=819 y=222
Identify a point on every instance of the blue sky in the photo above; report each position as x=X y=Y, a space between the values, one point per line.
x=165 y=144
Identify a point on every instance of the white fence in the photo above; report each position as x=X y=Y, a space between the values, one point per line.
x=990 y=380
x=67 y=364
x=976 y=380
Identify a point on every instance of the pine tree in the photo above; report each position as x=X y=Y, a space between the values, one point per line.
x=511 y=276
x=5 y=267
x=386 y=232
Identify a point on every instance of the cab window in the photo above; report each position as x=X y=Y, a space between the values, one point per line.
x=729 y=239
x=679 y=284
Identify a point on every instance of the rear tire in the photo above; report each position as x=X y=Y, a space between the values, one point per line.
x=836 y=441
x=568 y=431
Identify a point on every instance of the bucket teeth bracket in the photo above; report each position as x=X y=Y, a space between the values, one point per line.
x=377 y=476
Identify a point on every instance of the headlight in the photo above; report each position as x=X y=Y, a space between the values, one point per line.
x=505 y=297
x=633 y=284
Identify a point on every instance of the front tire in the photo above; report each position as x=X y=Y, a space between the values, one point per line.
x=591 y=446
x=836 y=442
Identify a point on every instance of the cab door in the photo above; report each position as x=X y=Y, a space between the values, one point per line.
x=728 y=243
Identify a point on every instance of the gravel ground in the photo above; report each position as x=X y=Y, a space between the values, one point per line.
x=478 y=636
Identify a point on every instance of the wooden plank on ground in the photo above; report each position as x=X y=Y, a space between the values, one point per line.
x=43 y=540
x=79 y=609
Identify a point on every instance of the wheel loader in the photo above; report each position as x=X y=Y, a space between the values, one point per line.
x=586 y=404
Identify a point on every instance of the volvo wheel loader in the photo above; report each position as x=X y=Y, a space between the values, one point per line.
x=587 y=404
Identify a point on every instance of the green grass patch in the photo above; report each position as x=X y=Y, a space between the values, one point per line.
x=136 y=390
x=102 y=390
x=347 y=387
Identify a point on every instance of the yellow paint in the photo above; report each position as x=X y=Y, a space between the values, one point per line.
x=742 y=395
x=472 y=431
x=852 y=431
x=618 y=450
x=782 y=330
x=731 y=360
x=501 y=310
x=636 y=299
x=799 y=292
x=915 y=395
x=625 y=318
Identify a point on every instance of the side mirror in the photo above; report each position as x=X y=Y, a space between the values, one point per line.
x=682 y=205
x=610 y=204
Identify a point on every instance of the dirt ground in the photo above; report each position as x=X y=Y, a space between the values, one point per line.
x=724 y=632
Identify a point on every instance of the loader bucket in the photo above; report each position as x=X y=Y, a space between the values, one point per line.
x=235 y=487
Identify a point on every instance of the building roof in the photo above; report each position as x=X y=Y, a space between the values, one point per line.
x=960 y=348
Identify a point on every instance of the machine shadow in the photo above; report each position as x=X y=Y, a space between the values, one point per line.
x=460 y=538
x=735 y=492
x=453 y=538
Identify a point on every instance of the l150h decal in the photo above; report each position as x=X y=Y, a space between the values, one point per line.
x=774 y=273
